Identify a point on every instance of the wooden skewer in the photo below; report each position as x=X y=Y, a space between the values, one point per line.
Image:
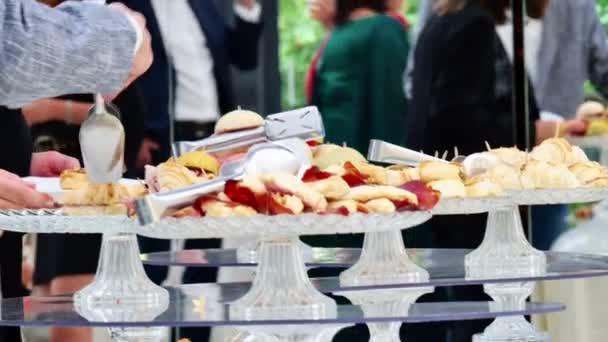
x=456 y=153
x=445 y=155
x=436 y=155
x=488 y=147
x=557 y=129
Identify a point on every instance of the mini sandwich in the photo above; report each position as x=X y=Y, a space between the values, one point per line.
x=286 y=184
x=511 y=156
x=433 y=171
x=73 y=179
x=101 y=199
x=590 y=110
x=169 y=176
x=558 y=151
x=483 y=188
x=366 y=193
x=327 y=155
x=541 y=175
x=449 y=188
x=591 y=174
x=238 y=120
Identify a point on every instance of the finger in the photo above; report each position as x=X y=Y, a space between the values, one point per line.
x=4 y=204
x=9 y=175
x=21 y=195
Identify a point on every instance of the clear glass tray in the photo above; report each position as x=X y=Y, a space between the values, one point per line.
x=465 y=206
x=558 y=196
x=56 y=221
x=445 y=266
x=205 y=305
x=282 y=225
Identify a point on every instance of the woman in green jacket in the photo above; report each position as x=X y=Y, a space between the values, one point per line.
x=358 y=86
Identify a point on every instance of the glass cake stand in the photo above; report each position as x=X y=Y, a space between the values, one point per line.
x=208 y=307
x=120 y=277
x=505 y=252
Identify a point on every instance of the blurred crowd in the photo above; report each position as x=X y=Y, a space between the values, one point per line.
x=444 y=82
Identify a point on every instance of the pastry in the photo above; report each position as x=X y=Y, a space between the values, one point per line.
x=558 y=151
x=290 y=184
x=350 y=205
x=589 y=110
x=73 y=179
x=327 y=155
x=504 y=175
x=542 y=175
x=373 y=173
x=483 y=188
x=217 y=208
x=591 y=174
x=449 y=188
x=333 y=188
x=511 y=156
x=169 y=176
x=97 y=195
x=380 y=206
x=199 y=162
x=286 y=204
x=366 y=193
x=238 y=120
x=432 y=171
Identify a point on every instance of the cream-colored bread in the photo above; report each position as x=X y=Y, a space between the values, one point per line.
x=238 y=120
x=380 y=206
x=171 y=176
x=200 y=160
x=375 y=174
x=541 y=175
x=505 y=176
x=291 y=184
x=327 y=155
x=350 y=205
x=511 y=156
x=449 y=188
x=558 y=151
x=223 y=209
x=337 y=170
x=590 y=173
x=254 y=184
x=484 y=188
x=96 y=195
x=333 y=188
x=590 y=109
x=290 y=202
x=366 y=193
x=432 y=171
x=73 y=179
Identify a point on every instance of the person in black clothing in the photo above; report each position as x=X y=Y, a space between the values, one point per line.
x=462 y=97
x=14 y=132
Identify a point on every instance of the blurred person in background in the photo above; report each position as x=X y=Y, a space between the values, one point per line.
x=355 y=81
x=189 y=87
x=564 y=49
x=462 y=96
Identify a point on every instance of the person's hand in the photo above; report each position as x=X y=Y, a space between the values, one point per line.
x=247 y=3
x=575 y=127
x=323 y=11
x=144 y=56
x=144 y=156
x=51 y=164
x=16 y=193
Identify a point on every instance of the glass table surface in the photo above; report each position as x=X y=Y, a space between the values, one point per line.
x=206 y=305
x=445 y=266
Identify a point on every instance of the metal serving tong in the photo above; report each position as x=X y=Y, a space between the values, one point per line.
x=305 y=123
x=102 y=143
x=264 y=158
x=383 y=152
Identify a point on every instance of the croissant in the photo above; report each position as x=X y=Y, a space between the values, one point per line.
x=97 y=195
x=541 y=175
x=171 y=176
x=73 y=179
x=590 y=174
x=558 y=151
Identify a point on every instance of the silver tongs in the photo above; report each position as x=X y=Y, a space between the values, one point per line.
x=304 y=123
x=383 y=152
x=286 y=156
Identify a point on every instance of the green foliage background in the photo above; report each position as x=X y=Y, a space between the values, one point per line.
x=300 y=36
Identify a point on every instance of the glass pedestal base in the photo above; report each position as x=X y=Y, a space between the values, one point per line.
x=321 y=333
x=138 y=334
x=120 y=278
x=383 y=260
x=505 y=251
x=248 y=253
x=281 y=287
x=515 y=328
x=386 y=303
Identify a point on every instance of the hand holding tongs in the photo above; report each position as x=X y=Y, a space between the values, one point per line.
x=305 y=123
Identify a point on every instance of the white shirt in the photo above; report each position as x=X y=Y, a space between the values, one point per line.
x=532 y=39
x=196 y=94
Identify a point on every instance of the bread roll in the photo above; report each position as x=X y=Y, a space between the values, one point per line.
x=238 y=120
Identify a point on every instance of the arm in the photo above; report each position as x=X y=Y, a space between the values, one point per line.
x=597 y=41
x=243 y=39
x=68 y=111
x=46 y=52
x=387 y=105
